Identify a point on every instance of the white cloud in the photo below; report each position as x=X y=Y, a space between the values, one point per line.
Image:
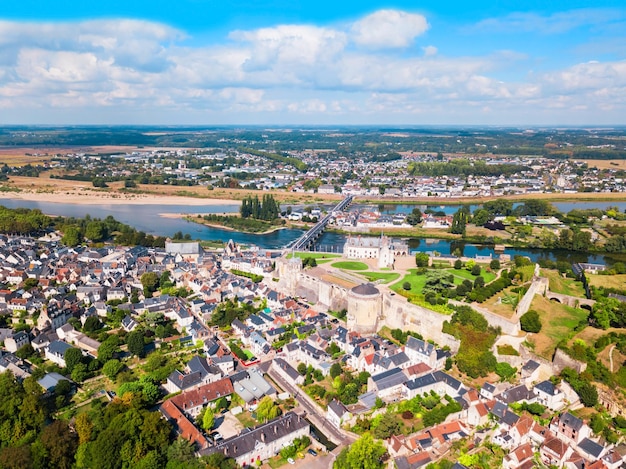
x=388 y=29
x=430 y=51
x=350 y=72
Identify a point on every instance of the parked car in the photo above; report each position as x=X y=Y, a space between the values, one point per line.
x=290 y=461
x=312 y=452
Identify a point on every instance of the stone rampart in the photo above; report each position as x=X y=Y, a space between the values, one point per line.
x=563 y=360
x=399 y=313
x=539 y=286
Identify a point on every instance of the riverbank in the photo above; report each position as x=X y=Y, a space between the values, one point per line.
x=95 y=197
x=197 y=218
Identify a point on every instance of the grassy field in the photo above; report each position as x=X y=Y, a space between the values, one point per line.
x=609 y=281
x=463 y=274
x=386 y=277
x=497 y=306
x=566 y=286
x=350 y=265
x=418 y=281
x=558 y=322
x=320 y=257
x=314 y=255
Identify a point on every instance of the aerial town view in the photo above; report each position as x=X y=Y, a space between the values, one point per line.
x=301 y=234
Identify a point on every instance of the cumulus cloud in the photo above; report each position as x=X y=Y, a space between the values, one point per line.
x=349 y=71
x=388 y=29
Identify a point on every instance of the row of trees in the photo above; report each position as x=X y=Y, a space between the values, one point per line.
x=267 y=209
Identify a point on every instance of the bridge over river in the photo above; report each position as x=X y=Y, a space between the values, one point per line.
x=308 y=238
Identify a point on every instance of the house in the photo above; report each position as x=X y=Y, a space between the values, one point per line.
x=387 y=384
x=192 y=402
x=128 y=323
x=182 y=424
x=50 y=381
x=287 y=371
x=337 y=413
x=530 y=372
x=55 y=352
x=514 y=459
x=591 y=450
x=420 y=351
x=262 y=442
x=554 y=451
x=17 y=341
x=569 y=428
x=549 y=396
x=251 y=386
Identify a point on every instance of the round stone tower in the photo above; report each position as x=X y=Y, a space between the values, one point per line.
x=364 y=308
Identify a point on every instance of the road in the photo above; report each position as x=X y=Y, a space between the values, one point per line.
x=313 y=411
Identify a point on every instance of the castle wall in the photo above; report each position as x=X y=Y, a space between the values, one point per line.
x=399 y=313
x=364 y=313
x=538 y=286
x=563 y=360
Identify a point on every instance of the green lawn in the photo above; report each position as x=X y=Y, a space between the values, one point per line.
x=418 y=281
x=314 y=255
x=248 y=353
x=386 y=277
x=464 y=274
x=350 y=265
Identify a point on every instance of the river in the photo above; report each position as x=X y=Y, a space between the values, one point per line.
x=148 y=218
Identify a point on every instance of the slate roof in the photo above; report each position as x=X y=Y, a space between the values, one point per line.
x=287 y=368
x=547 y=387
x=390 y=378
x=58 y=348
x=516 y=394
x=247 y=440
x=570 y=421
x=420 y=346
x=591 y=447
x=366 y=289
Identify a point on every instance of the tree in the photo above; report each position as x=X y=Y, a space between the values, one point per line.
x=72 y=357
x=422 y=259
x=92 y=323
x=505 y=371
x=475 y=270
x=267 y=410
x=406 y=286
x=588 y=394
x=150 y=282
x=108 y=348
x=494 y=264
x=25 y=351
x=458 y=264
x=60 y=444
x=72 y=236
x=530 y=322
x=79 y=372
x=135 y=343
x=481 y=216
x=208 y=419
x=95 y=231
x=335 y=370
x=389 y=425
x=459 y=221
x=111 y=368
x=364 y=453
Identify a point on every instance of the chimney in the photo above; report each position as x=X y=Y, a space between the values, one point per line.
x=275 y=430
x=263 y=437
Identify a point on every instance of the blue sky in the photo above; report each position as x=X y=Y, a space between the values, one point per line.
x=296 y=62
